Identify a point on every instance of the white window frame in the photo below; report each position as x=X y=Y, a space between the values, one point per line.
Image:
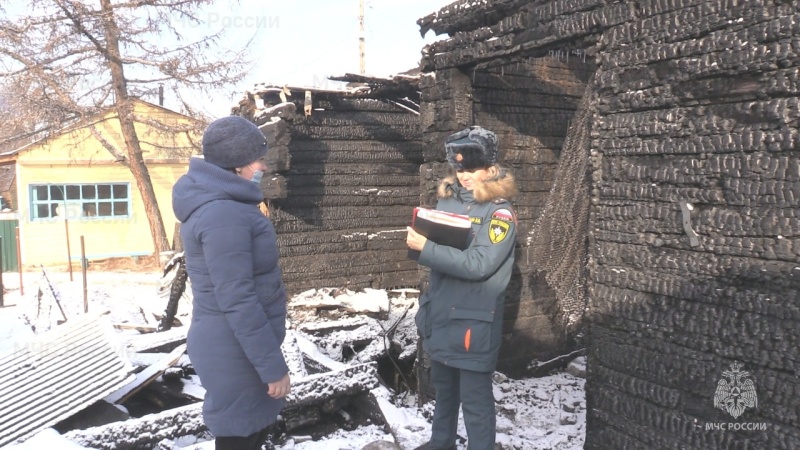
x=84 y=201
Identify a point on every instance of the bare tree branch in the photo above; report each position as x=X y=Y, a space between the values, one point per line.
x=67 y=60
x=108 y=145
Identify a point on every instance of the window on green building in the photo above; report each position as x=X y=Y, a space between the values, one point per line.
x=77 y=201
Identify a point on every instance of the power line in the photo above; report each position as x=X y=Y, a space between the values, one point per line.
x=361 y=39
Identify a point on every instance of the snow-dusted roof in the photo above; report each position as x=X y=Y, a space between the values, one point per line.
x=357 y=85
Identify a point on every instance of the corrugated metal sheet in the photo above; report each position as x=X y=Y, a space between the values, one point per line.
x=50 y=377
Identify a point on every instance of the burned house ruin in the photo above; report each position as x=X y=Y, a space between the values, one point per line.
x=656 y=148
x=349 y=180
x=686 y=181
x=361 y=158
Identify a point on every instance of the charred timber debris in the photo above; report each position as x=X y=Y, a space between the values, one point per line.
x=347 y=178
x=655 y=140
x=79 y=368
x=146 y=432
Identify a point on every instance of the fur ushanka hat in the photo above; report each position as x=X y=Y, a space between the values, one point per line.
x=471 y=149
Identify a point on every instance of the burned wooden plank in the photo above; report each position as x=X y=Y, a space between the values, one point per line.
x=364 y=132
x=466 y=15
x=139 y=328
x=293 y=356
x=154 y=342
x=174 y=287
x=143 y=360
x=343 y=151
x=274 y=187
x=146 y=376
x=276 y=131
x=355 y=104
x=145 y=432
x=281 y=110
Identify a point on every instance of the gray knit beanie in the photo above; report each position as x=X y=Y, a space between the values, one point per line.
x=232 y=142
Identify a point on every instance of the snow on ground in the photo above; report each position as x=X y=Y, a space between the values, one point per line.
x=532 y=414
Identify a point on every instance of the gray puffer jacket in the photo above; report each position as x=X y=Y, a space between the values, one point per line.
x=239 y=306
x=460 y=316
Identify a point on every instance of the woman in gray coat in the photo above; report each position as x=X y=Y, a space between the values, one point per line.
x=460 y=316
x=239 y=307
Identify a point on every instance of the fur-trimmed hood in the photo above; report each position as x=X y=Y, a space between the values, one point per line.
x=503 y=186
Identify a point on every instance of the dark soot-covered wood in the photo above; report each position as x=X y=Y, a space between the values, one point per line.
x=351 y=185
x=698 y=103
x=528 y=103
x=546 y=92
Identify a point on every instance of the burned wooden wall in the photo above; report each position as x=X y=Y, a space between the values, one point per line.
x=351 y=185
x=696 y=238
x=694 y=264
x=528 y=103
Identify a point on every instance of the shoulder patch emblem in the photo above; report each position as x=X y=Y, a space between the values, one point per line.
x=498 y=230
x=504 y=215
x=499 y=225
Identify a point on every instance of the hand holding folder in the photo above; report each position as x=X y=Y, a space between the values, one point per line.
x=443 y=228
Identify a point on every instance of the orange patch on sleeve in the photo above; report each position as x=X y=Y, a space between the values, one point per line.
x=467 y=337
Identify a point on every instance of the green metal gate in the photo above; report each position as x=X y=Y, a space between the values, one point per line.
x=9 y=242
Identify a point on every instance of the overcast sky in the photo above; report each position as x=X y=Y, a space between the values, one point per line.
x=301 y=42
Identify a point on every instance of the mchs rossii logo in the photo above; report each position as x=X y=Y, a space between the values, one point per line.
x=735 y=394
x=735 y=391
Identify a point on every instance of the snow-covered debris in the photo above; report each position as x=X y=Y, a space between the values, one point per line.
x=577 y=367
x=533 y=413
x=293 y=355
x=369 y=301
x=151 y=429
x=46 y=439
x=51 y=376
x=547 y=413
x=356 y=326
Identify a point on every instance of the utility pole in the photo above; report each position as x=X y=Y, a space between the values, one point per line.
x=361 y=43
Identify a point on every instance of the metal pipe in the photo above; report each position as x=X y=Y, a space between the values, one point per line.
x=19 y=261
x=69 y=253
x=83 y=265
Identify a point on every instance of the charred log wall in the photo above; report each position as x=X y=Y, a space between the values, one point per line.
x=351 y=186
x=695 y=241
x=697 y=107
x=528 y=104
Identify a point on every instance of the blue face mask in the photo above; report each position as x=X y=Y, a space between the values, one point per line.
x=257 y=176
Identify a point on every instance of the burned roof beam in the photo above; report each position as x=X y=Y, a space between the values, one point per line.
x=149 y=430
x=467 y=15
x=528 y=32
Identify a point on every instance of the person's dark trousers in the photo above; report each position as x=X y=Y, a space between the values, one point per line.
x=473 y=390
x=252 y=442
